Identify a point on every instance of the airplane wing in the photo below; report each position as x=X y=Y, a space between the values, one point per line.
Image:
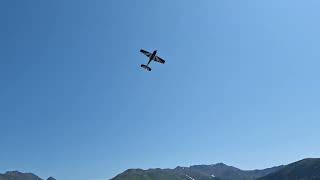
x=159 y=60
x=145 y=52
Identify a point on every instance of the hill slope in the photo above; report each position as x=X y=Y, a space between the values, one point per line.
x=306 y=169
x=16 y=175
x=218 y=171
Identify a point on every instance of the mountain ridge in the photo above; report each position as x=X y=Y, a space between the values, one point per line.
x=198 y=172
x=305 y=169
x=16 y=175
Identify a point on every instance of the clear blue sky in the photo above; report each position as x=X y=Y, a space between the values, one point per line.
x=241 y=85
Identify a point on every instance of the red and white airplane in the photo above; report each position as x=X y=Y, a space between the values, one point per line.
x=152 y=57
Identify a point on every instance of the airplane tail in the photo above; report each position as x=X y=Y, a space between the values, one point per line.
x=146 y=67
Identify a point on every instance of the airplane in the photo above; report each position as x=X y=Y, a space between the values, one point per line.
x=152 y=56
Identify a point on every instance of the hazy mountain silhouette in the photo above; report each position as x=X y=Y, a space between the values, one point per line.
x=16 y=175
x=306 y=169
x=51 y=178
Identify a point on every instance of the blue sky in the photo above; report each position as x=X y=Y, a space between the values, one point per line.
x=241 y=85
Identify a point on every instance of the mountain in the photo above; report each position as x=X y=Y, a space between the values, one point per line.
x=16 y=175
x=155 y=174
x=306 y=169
x=51 y=178
x=226 y=172
x=218 y=171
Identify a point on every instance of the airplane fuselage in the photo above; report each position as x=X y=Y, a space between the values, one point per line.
x=153 y=55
